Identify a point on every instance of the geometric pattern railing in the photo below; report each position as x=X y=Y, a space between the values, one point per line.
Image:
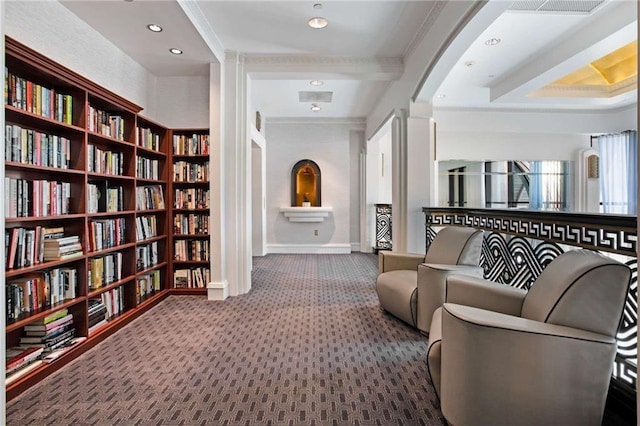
x=520 y=244
x=383 y=227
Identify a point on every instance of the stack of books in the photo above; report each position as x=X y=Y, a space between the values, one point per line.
x=20 y=361
x=59 y=248
x=97 y=314
x=49 y=333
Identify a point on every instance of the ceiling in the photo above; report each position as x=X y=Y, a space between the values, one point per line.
x=362 y=49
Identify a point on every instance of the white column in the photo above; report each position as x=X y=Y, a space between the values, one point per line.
x=421 y=176
x=218 y=288
x=399 y=181
x=235 y=184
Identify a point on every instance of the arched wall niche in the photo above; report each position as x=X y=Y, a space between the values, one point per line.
x=306 y=184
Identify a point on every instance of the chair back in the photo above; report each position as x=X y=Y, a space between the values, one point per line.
x=580 y=289
x=455 y=245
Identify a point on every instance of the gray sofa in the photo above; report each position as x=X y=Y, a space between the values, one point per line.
x=503 y=356
x=411 y=286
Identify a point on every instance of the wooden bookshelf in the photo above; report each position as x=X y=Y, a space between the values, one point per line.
x=190 y=211
x=81 y=140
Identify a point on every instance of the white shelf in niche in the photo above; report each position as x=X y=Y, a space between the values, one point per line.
x=306 y=214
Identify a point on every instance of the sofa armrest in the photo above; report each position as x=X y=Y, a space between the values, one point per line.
x=392 y=261
x=431 y=288
x=484 y=294
x=498 y=369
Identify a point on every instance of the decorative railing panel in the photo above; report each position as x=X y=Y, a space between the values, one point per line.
x=383 y=227
x=519 y=244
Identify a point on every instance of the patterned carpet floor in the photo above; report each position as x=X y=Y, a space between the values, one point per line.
x=308 y=345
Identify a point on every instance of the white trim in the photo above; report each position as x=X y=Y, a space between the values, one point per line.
x=359 y=123
x=306 y=214
x=309 y=248
x=217 y=291
x=355 y=247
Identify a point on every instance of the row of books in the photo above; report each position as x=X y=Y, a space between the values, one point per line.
x=190 y=224
x=25 y=247
x=29 y=146
x=191 y=278
x=114 y=301
x=146 y=168
x=106 y=233
x=149 y=197
x=146 y=138
x=104 y=161
x=104 y=197
x=97 y=314
x=184 y=171
x=147 y=256
x=38 y=290
x=36 y=99
x=191 y=198
x=190 y=145
x=36 y=198
x=105 y=123
x=104 y=270
x=191 y=250
x=146 y=227
x=147 y=285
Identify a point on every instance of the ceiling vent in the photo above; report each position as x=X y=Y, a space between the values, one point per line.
x=315 y=96
x=581 y=7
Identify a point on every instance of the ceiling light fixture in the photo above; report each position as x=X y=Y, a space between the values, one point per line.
x=175 y=51
x=492 y=41
x=317 y=23
x=441 y=96
x=469 y=64
x=155 y=28
x=315 y=108
x=316 y=82
x=317 y=6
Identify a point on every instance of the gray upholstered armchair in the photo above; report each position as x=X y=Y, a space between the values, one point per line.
x=502 y=356
x=411 y=286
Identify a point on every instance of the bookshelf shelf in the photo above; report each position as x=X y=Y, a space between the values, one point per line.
x=182 y=236
x=81 y=119
x=98 y=291
x=40 y=313
x=110 y=249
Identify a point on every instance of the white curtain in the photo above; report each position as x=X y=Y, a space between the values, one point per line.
x=619 y=172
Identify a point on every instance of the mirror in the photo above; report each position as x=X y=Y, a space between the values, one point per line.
x=535 y=185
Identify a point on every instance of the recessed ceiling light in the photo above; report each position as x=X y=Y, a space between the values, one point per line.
x=316 y=82
x=492 y=41
x=175 y=51
x=317 y=6
x=317 y=23
x=441 y=96
x=469 y=64
x=155 y=28
x=315 y=108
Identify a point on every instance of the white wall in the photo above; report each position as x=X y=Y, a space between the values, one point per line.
x=53 y=30
x=183 y=102
x=328 y=143
x=523 y=135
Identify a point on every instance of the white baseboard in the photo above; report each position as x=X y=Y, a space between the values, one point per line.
x=355 y=247
x=309 y=248
x=217 y=291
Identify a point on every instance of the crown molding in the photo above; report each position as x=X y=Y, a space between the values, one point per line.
x=359 y=123
x=426 y=26
x=368 y=68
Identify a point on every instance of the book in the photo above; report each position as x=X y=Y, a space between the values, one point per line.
x=54 y=355
x=22 y=371
x=17 y=356
x=49 y=326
